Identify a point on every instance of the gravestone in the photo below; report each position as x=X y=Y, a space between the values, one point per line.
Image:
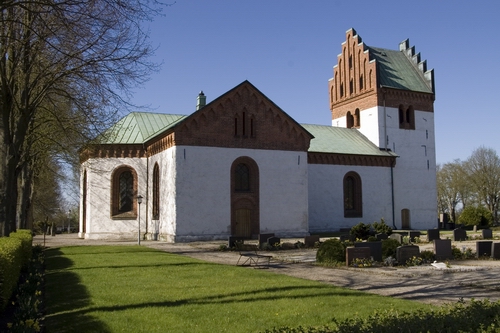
x=381 y=236
x=483 y=248
x=375 y=249
x=442 y=249
x=495 y=250
x=459 y=235
x=272 y=241
x=345 y=237
x=413 y=234
x=433 y=234
x=263 y=238
x=397 y=237
x=233 y=239
x=310 y=241
x=487 y=233
x=352 y=253
x=406 y=252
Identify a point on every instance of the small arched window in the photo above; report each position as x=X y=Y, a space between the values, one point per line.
x=349 y=120
x=124 y=188
x=352 y=195
x=357 y=118
x=156 y=192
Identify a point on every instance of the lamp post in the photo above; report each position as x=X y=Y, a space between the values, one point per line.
x=139 y=201
x=69 y=221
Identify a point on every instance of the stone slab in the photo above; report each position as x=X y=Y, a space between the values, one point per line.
x=381 y=236
x=413 y=235
x=442 y=249
x=375 y=249
x=264 y=237
x=459 y=235
x=483 y=248
x=356 y=253
x=310 y=241
x=487 y=233
x=495 y=250
x=406 y=252
x=433 y=234
x=397 y=237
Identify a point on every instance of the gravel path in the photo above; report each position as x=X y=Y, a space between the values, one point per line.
x=473 y=279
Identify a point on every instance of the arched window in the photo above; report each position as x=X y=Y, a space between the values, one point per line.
x=349 y=119
x=241 y=178
x=124 y=189
x=357 y=118
x=352 y=195
x=156 y=192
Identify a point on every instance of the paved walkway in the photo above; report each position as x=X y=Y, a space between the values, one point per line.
x=477 y=279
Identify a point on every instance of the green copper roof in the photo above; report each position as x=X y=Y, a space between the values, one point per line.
x=340 y=140
x=397 y=71
x=139 y=127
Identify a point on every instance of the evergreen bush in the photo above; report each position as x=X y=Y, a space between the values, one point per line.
x=331 y=251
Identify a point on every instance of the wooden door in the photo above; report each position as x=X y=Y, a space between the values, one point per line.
x=242 y=223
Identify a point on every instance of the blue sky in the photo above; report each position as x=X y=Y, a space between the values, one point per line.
x=287 y=49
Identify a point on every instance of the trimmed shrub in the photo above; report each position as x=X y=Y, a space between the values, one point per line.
x=331 y=251
x=10 y=267
x=381 y=227
x=26 y=239
x=360 y=231
x=389 y=247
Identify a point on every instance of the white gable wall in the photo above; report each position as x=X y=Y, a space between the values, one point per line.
x=204 y=191
x=326 y=196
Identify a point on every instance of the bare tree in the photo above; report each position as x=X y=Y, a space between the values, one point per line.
x=447 y=188
x=84 y=55
x=483 y=168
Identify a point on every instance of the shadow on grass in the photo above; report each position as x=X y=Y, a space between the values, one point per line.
x=66 y=296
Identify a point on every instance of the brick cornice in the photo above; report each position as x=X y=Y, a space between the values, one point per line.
x=110 y=151
x=346 y=159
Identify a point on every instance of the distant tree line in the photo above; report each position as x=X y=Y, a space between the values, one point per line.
x=469 y=191
x=66 y=69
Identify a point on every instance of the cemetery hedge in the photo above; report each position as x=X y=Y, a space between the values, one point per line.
x=474 y=316
x=15 y=253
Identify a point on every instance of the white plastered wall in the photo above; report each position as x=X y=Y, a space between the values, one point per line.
x=326 y=196
x=415 y=171
x=99 y=223
x=204 y=191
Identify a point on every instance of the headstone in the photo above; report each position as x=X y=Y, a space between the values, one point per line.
x=397 y=237
x=375 y=249
x=487 y=233
x=459 y=235
x=413 y=235
x=483 y=248
x=273 y=241
x=381 y=236
x=356 y=253
x=442 y=249
x=495 y=250
x=433 y=234
x=406 y=252
x=310 y=241
x=345 y=237
x=264 y=237
x=233 y=239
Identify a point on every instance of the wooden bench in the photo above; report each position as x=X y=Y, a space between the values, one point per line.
x=254 y=259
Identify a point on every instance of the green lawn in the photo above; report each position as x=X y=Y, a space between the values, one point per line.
x=137 y=289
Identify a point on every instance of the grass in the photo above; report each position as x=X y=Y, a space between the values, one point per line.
x=137 y=289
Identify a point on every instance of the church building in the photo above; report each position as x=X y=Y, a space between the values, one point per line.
x=239 y=165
